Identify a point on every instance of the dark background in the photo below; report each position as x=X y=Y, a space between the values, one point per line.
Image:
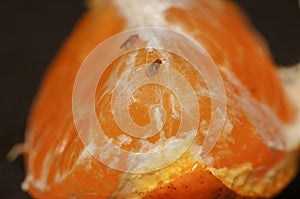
x=32 y=31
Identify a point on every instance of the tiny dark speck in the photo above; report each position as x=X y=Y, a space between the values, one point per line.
x=153 y=68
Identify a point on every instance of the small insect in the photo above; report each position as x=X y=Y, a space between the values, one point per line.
x=129 y=42
x=153 y=68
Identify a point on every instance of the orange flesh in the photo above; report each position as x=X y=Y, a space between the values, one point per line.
x=52 y=138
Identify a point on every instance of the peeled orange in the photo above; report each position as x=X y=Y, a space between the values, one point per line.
x=186 y=103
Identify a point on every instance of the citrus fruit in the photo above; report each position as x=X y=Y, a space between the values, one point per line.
x=187 y=106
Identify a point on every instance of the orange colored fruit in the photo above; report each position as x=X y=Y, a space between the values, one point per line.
x=251 y=156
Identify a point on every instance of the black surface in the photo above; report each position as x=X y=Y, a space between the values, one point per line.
x=32 y=31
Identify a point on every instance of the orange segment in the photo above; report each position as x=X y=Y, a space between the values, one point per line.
x=243 y=163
